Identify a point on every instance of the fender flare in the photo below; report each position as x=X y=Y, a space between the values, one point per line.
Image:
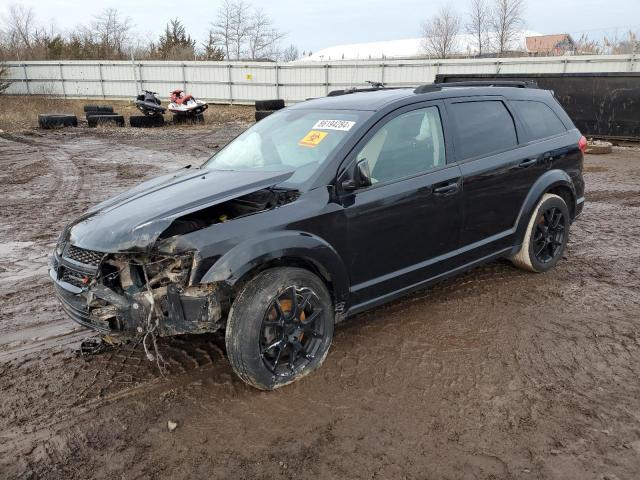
x=244 y=257
x=549 y=180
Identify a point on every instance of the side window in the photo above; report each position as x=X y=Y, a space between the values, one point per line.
x=409 y=144
x=483 y=127
x=541 y=121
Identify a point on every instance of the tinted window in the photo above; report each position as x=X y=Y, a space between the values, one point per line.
x=483 y=127
x=539 y=118
x=407 y=145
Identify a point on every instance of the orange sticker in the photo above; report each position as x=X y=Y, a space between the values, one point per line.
x=312 y=139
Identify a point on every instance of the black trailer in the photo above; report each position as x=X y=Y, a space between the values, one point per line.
x=602 y=105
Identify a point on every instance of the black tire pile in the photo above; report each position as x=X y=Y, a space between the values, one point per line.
x=144 y=121
x=264 y=108
x=57 y=120
x=102 y=115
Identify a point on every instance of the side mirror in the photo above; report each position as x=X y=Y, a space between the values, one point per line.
x=363 y=173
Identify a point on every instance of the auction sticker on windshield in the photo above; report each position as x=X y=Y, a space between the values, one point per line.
x=312 y=139
x=344 y=125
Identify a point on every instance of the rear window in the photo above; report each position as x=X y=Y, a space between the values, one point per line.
x=483 y=127
x=540 y=119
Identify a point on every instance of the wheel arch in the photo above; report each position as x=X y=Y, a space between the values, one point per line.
x=556 y=182
x=291 y=249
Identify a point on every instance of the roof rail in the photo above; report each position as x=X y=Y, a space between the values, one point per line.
x=477 y=83
x=374 y=86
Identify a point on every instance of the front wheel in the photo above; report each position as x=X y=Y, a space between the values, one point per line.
x=280 y=327
x=546 y=237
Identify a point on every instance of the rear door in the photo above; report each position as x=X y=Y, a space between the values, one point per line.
x=497 y=171
x=400 y=229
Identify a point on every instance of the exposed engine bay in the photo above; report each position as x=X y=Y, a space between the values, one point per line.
x=143 y=293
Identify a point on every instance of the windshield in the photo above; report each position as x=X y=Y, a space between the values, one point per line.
x=299 y=140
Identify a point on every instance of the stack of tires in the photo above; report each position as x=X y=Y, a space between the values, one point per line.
x=57 y=120
x=146 y=121
x=102 y=115
x=264 y=108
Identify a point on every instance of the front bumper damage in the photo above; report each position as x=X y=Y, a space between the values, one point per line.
x=134 y=293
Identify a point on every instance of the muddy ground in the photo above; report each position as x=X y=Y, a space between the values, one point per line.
x=496 y=374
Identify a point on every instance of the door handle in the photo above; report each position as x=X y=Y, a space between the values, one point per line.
x=529 y=162
x=447 y=189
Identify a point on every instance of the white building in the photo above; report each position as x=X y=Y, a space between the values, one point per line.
x=407 y=48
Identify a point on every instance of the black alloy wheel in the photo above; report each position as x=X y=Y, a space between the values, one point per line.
x=548 y=237
x=291 y=331
x=279 y=327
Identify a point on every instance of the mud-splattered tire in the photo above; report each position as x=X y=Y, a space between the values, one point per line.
x=144 y=121
x=98 y=109
x=57 y=120
x=262 y=334
x=104 y=120
x=542 y=236
x=262 y=105
x=259 y=115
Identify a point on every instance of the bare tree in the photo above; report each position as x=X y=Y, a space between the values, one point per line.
x=19 y=27
x=478 y=25
x=263 y=38
x=439 y=32
x=111 y=33
x=245 y=32
x=240 y=27
x=506 y=20
x=221 y=28
x=290 y=54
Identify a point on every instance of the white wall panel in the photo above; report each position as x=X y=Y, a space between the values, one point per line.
x=259 y=80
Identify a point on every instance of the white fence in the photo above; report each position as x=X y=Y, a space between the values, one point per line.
x=242 y=82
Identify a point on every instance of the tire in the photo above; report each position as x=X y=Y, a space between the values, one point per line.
x=260 y=114
x=98 y=108
x=188 y=119
x=262 y=105
x=57 y=120
x=254 y=327
x=143 y=121
x=527 y=257
x=103 y=120
x=599 y=148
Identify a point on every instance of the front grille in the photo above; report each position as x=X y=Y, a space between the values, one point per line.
x=86 y=257
x=74 y=278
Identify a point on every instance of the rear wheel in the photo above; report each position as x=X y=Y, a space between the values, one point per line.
x=279 y=327
x=546 y=236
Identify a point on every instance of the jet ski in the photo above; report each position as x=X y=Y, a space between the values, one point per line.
x=149 y=104
x=183 y=105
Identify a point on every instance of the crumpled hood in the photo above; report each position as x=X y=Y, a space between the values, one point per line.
x=133 y=220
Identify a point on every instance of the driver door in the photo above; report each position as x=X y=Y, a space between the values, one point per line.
x=401 y=228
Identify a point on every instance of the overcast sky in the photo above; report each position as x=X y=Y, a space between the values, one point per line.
x=323 y=23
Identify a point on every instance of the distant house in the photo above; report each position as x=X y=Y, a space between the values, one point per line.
x=543 y=45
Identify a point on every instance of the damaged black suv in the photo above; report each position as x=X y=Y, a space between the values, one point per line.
x=325 y=209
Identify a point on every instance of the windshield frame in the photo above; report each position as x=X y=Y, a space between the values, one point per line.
x=333 y=159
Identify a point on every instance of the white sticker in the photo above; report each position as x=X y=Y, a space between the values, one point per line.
x=344 y=125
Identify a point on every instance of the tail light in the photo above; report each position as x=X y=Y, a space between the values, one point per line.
x=582 y=144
